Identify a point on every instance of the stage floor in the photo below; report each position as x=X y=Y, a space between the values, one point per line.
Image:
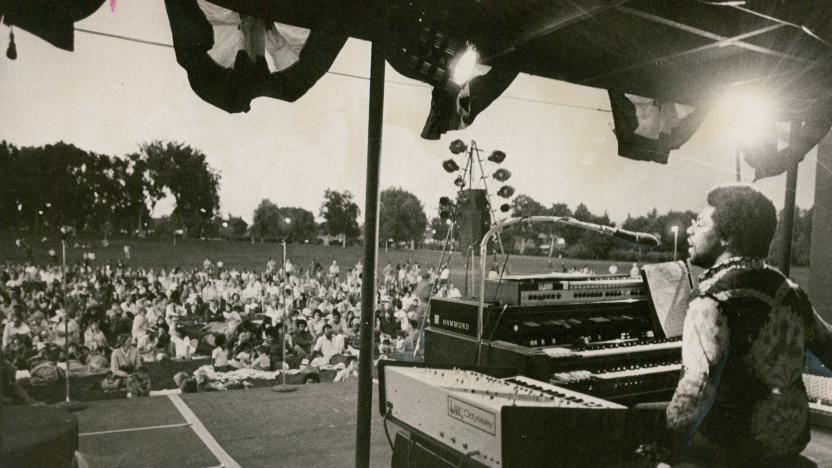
x=311 y=427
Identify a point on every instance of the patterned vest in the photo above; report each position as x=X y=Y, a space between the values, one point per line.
x=760 y=407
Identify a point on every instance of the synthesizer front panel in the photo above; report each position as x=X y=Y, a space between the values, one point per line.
x=466 y=410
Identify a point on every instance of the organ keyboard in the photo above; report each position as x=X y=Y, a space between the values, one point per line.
x=819 y=391
x=546 y=326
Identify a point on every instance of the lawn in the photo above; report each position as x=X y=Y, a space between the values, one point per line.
x=191 y=253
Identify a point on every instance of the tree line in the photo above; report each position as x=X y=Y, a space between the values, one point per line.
x=46 y=187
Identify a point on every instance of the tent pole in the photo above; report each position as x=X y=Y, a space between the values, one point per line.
x=820 y=267
x=788 y=207
x=368 y=278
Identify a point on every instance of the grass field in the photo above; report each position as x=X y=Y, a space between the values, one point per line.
x=191 y=253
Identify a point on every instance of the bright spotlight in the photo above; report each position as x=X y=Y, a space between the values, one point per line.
x=465 y=66
x=747 y=115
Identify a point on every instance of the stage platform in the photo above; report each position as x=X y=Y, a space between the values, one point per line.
x=311 y=427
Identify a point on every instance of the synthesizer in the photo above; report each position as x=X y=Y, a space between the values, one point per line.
x=563 y=288
x=499 y=422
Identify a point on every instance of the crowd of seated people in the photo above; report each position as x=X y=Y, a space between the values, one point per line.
x=118 y=319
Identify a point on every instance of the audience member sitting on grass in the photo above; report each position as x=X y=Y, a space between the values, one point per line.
x=181 y=344
x=117 y=297
x=262 y=361
x=302 y=340
x=327 y=346
x=94 y=338
x=11 y=393
x=348 y=373
x=126 y=370
x=219 y=357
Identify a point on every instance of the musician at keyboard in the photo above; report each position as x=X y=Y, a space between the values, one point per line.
x=741 y=399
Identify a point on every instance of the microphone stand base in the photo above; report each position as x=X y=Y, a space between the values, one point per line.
x=282 y=388
x=71 y=406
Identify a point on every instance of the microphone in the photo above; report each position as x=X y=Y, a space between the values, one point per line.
x=641 y=238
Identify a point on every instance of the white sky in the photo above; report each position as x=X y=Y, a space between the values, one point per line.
x=109 y=96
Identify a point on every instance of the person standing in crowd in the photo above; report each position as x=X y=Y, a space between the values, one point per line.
x=334 y=270
x=740 y=400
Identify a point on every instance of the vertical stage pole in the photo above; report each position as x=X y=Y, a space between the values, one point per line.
x=368 y=277
x=820 y=267
x=788 y=206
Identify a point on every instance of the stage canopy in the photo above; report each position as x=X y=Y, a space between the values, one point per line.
x=663 y=62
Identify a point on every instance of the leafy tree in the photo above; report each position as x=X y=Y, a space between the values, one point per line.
x=402 y=216
x=525 y=235
x=340 y=214
x=237 y=225
x=301 y=225
x=185 y=172
x=439 y=228
x=266 y=220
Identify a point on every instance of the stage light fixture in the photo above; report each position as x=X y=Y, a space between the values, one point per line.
x=505 y=207
x=506 y=191
x=465 y=66
x=445 y=207
x=502 y=175
x=497 y=156
x=458 y=146
x=459 y=182
x=747 y=114
x=450 y=166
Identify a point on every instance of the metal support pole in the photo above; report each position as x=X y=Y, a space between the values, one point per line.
x=737 y=167
x=66 y=317
x=283 y=388
x=368 y=277
x=788 y=206
x=67 y=404
x=675 y=242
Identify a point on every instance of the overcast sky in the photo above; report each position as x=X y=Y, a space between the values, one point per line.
x=109 y=96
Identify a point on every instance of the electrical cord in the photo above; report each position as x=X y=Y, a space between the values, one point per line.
x=386 y=431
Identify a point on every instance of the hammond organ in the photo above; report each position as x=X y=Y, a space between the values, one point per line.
x=600 y=335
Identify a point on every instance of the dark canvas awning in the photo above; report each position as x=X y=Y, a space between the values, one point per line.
x=673 y=50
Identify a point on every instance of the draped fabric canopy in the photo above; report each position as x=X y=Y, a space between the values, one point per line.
x=51 y=20
x=662 y=62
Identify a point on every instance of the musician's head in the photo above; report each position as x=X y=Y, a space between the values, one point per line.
x=738 y=221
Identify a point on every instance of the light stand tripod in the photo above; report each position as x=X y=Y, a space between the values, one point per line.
x=467 y=173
